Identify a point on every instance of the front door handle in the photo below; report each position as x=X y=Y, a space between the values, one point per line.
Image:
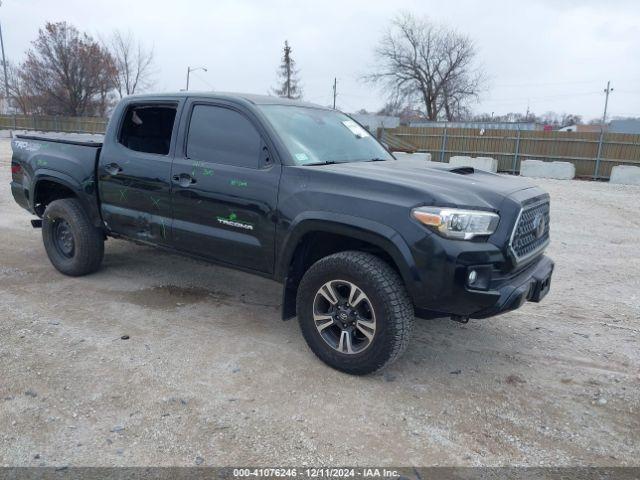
x=184 y=180
x=113 y=169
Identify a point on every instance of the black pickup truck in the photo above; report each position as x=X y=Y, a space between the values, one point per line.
x=302 y=194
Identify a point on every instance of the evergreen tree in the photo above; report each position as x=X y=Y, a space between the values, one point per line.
x=289 y=86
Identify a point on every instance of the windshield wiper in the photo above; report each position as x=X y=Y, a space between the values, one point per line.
x=326 y=162
x=333 y=162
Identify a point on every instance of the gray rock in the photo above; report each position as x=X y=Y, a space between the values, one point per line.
x=388 y=377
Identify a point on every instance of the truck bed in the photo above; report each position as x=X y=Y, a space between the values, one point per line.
x=84 y=139
x=41 y=160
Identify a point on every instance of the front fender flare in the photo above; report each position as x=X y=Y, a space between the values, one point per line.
x=375 y=233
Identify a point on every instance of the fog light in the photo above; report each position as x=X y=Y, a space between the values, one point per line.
x=472 y=277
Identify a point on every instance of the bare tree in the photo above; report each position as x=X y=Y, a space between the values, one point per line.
x=288 y=73
x=392 y=108
x=67 y=73
x=20 y=98
x=421 y=63
x=133 y=63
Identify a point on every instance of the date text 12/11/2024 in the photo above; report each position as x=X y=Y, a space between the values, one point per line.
x=317 y=472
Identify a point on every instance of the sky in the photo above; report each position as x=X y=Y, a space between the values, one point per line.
x=547 y=55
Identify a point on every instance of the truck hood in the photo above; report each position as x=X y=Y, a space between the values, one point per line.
x=435 y=183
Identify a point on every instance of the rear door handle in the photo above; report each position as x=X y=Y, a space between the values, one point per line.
x=184 y=179
x=113 y=169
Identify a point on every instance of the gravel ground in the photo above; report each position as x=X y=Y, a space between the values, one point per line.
x=210 y=375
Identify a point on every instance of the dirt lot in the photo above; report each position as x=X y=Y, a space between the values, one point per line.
x=212 y=376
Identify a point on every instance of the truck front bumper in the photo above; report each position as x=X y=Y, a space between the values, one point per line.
x=530 y=285
x=495 y=292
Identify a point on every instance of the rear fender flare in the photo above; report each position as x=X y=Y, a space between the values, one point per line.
x=86 y=201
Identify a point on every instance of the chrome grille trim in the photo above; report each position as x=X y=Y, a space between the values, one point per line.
x=541 y=243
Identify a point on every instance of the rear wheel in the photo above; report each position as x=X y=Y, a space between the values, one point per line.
x=74 y=246
x=354 y=312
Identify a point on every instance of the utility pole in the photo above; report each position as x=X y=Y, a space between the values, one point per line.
x=607 y=91
x=4 y=66
x=335 y=92
x=287 y=63
x=192 y=69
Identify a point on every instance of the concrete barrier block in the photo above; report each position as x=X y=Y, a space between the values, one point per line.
x=625 y=174
x=487 y=164
x=420 y=156
x=540 y=169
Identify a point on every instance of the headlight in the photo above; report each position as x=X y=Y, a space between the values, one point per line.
x=457 y=223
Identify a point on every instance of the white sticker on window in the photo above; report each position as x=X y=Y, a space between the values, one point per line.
x=356 y=129
x=302 y=157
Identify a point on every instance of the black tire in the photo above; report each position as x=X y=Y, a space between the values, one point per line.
x=386 y=294
x=66 y=219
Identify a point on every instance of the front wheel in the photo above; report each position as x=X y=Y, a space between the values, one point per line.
x=354 y=312
x=74 y=246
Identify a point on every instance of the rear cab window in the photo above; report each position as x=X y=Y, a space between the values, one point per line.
x=148 y=128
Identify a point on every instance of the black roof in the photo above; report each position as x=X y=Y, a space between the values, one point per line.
x=246 y=97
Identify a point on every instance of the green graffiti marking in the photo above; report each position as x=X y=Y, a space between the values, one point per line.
x=196 y=164
x=41 y=163
x=163 y=232
x=232 y=216
x=123 y=194
x=207 y=171
x=86 y=184
x=238 y=183
x=156 y=202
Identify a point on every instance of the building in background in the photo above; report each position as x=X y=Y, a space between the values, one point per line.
x=629 y=125
x=373 y=122
x=583 y=128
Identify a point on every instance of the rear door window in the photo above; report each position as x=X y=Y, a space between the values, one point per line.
x=222 y=135
x=148 y=128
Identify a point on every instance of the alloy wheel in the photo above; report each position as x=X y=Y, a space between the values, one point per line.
x=344 y=317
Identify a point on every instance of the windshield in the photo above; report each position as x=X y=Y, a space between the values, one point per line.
x=323 y=136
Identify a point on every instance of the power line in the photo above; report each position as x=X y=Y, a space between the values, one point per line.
x=209 y=84
x=548 y=97
x=534 y=84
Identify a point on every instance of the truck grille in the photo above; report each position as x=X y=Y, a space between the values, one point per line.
x=531 y=232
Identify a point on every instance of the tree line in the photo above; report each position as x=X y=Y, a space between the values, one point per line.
x=66 y=72
x=423 y=68
x=427 y=71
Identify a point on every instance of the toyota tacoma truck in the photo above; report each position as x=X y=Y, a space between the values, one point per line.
x=361 y=242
